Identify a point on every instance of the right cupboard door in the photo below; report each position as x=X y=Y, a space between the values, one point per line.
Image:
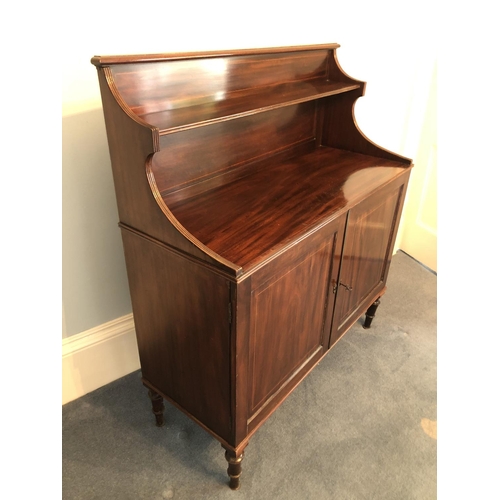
x=368 y=243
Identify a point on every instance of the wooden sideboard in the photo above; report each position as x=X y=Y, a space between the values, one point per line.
x=258 y=223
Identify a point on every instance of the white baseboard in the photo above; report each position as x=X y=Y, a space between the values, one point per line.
x=98 y=356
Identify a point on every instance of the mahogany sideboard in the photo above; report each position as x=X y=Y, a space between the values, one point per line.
x=258 y=223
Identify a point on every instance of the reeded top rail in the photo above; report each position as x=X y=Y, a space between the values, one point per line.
x=101 y=61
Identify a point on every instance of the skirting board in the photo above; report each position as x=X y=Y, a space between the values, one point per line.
x=97 y=357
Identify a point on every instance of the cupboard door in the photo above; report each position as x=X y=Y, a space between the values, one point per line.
x=369 y=238
x=290 y=318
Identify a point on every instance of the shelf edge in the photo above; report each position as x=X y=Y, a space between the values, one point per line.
x=180 y=128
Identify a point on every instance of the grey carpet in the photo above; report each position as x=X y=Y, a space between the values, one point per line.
x=353 y=429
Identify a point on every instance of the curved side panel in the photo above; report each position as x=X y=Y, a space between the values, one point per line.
x=126 y=109
x=341 y=129
x=131 y=143
x=180 y=228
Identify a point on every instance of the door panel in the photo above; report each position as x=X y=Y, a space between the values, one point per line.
x=289 y=314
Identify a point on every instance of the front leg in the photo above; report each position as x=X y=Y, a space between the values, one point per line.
x=370 y=314
x=234 y=468
x=158 y=407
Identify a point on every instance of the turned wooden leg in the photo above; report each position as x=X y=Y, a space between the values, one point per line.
x=158 y=407
x=370 y=314
x=234 y=469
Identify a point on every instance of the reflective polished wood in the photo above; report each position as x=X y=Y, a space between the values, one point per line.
x=258 y=223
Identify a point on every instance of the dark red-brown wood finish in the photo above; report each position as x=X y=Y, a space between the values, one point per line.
x=258 y=223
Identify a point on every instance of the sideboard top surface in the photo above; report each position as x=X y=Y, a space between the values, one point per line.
x=251 y=218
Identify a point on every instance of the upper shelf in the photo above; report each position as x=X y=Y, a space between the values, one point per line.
x=199 y=111
x=178 y=92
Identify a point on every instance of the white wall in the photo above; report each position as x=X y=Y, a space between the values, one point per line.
x=418 y=234
x=378 y=45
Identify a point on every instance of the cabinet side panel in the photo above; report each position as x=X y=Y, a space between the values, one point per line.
x=181 y=314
